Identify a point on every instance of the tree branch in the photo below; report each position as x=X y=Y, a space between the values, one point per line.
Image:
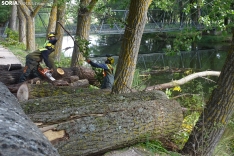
x=38 y=8
x=92 y=5
x=24 y=8
x=183 y=80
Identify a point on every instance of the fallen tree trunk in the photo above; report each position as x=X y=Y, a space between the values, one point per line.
x=31 y=91
x=14 y=87
x=183 y=80
x=18 y=134
x=94 y=123
x=12 y=77
x=10 y=67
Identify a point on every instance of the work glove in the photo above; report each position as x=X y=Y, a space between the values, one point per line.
x=88 y=60
x=51 y=70
x=39 y=67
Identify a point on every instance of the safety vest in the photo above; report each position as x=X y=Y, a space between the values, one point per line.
x=109 y=71
x=47 y=44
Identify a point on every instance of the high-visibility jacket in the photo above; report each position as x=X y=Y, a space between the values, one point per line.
x=44 y=55
x=108 y=73
x=110 y=70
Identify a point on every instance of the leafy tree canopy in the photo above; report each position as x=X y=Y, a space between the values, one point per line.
x=4 y=13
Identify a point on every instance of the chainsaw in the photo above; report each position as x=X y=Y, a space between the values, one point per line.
x=46 y=73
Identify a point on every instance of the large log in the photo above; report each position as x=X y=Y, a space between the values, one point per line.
x=31 y=91
x=10 y=67
x=12 y=77
x=95 y=123
x=18 y=134
x=14 y=87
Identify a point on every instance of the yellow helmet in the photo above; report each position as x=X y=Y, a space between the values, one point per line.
x=111 y=60
x=51 y=35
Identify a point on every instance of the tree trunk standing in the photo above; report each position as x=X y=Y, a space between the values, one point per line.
x=30 y=42
x=61 y=10
x=195 y=12
x=53 y=18
x=18 y=134
x=13 y=18
x=130 y=46
x=232 y=34
x=96 y=122
x=83 y=28
x=30 y=14
x=181 y=6
x=216 y=115
x=22 y=26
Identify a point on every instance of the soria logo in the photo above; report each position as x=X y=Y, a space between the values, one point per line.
x=9 y=3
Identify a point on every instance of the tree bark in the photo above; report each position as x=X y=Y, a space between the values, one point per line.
x=30 y=14
x=10 y=77
x=22 y=26
x=53 y=18
x=31 y=91
x=217 y=113
x=130 y=46
x=183 y=80
x=4 y=67
x=13 y=18
x=83 y=27
x=195 y=12
x=18 y=134
x=10 y=67
x=13 y=88
x=61 y=10
x=94 y=123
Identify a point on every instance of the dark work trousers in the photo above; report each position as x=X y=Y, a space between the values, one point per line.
x=30 y=70
x=107 y=81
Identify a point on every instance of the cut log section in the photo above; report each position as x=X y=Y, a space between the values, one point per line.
x=19 y=136
x=94 y=123
x=31 y=91
x=23 y=92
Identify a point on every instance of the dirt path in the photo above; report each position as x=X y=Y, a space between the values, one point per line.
x=7 y=57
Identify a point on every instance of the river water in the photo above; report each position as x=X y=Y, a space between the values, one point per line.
x=207 y=56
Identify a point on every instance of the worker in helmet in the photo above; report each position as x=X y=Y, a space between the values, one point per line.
x=51 y=39
x=33 y=59
x=108 y=72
